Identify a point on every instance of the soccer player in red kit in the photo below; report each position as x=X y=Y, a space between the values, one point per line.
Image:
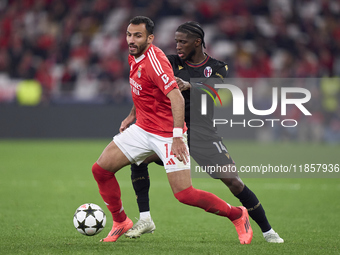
x=159 y=113
x=206 y=146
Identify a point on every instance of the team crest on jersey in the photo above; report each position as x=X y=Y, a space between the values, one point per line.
x=207 y=71
x=139 y=73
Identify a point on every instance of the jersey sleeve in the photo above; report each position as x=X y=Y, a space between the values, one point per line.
x=160 y=71
x=222 y=70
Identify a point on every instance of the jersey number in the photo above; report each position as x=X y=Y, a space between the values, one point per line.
x=167 y=151
x=220 y=147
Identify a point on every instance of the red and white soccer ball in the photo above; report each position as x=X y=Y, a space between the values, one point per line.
x=89 y=219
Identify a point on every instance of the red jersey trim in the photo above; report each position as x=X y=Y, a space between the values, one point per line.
x=199 y=64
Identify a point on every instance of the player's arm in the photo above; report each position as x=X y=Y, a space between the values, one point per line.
x=128 y=120
x=177 y=106
x=182 y=84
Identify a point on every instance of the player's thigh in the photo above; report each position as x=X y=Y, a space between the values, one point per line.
x=179 y=180
x=213 y=155
x=112 y=158
x=210 y=152
x=134 y=144
x=162 y=147
x=152 y=158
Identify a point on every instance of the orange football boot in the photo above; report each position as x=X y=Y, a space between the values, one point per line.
x=118 y=229
x=243 y=228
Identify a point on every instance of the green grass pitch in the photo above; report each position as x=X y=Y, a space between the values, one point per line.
x=42 y=182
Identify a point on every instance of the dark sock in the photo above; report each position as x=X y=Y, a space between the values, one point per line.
x=141 y=185
x=159 y=162
x=254 y=207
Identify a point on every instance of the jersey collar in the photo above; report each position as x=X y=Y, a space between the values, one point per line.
x=198 y=64
x=140 y=58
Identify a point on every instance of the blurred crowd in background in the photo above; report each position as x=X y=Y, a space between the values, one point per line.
x=74 y=51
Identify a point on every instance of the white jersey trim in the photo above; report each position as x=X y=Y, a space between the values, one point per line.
x=154 y=62
x=159 y=64
x=140 y=58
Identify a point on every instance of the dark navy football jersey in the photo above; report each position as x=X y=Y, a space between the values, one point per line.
x=200 y=126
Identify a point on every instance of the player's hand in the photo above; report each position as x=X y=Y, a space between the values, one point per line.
x=179 y=149
x=183 y=85
x=126 y=123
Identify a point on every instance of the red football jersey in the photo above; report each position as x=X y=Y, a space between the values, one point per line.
x=151 y=79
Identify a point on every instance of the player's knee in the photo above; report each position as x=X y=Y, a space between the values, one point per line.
x=139 y=172
x=234 y=184
x=140 y=178
x=186 y=196
x=100 y=174
x=227 y=181
x=139 y=169
x=95 y=171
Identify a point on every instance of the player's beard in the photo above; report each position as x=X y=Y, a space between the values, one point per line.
x=140 y=49
x=190 y=55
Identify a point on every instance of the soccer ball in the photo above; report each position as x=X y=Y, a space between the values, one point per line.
x=89 y=219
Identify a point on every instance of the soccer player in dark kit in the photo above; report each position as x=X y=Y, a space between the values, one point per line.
x=192 y=62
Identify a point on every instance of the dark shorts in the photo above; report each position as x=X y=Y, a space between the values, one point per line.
x=210 y=152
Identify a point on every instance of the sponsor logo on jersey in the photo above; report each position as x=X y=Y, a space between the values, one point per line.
x=135 y=87
x=207 y=71
x=169 y=85
x=180 y=67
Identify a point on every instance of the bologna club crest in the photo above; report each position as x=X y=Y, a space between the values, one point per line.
x=207 y=71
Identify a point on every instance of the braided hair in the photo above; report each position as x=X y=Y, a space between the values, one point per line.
x=192 y=28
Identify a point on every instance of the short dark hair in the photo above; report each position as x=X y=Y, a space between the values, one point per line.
x=149 y=25
x=192 y=28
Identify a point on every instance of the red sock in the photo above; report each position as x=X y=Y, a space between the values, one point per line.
x=209 y=202
x=110 y=191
